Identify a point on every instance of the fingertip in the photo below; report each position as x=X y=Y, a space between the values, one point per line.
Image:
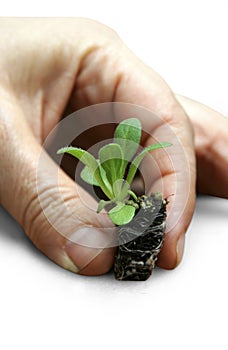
x=172 y=251
x=180 y=248
x=91 y=250
x=100 y=264
x=90 y=261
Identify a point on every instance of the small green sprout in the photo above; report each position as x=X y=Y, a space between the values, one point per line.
x=115 y=169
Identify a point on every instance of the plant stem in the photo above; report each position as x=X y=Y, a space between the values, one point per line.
x=131 y=193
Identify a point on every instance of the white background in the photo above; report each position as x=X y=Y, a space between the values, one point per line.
x=45 y=307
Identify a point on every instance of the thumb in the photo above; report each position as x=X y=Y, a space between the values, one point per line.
x=46 y=202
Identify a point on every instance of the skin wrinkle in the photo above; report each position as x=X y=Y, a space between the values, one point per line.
x=11 y=167
x=55 y=67
x=47 y=73
x=24 y=220
x=171 y=119
x=119 y=78
x=34 y=226
x=48 y=198
x=50 y=111
x=84 y=57
x=80 y=69
x=46 y=238
x=152 y=90
x=89 y=88
x=37 y=219
x=34 y=202
x=25 y=213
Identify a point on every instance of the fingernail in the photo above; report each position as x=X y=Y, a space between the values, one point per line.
x=180 y=248
x=92 y=237
x=68 y=264
x=85 y=245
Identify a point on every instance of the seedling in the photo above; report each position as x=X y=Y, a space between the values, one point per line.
x=115 y=169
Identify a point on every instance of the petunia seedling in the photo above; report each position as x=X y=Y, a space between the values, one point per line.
x=115 y=169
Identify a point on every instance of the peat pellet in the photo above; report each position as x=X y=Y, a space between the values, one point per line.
x=141 y=240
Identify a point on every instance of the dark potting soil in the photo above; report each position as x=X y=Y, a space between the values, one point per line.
x=141 y=240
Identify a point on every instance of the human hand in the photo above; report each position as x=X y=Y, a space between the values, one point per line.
x=211 y=144
x=49 y=66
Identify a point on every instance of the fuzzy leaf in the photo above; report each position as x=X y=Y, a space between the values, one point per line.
x=93 y=165
x=118 y=186
x=120 y=189
x=84 y=156
x=122 y=214
x=106 y=181
x=136 y=162
x=128 y=135
x=111 y=160
x=88 y=176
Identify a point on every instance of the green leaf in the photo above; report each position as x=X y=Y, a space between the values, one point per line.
x=136 y=162
x=93 y=165
x=106 y=182
x=122 y=214
x=88 y=176
x=111 y=160
x=102 y=204
x=128 y=135
x=120 y=190
x=84 y=156
x=118 y=186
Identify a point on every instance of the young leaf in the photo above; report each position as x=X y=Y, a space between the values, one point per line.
x=108 y=171
x=93 y=165
x=106 y=182
x=84 y=156
x=120 y=189
x=136 y=162
x=88 y=176
x=128 y=135
x=122 y=214
x=111 y=160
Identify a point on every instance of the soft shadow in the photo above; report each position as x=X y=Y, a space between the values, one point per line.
x=212 y=206
x=11 y=233
x=10 y=230
x=109 y=284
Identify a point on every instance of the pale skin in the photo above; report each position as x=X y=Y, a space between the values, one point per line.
x=48 y=66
